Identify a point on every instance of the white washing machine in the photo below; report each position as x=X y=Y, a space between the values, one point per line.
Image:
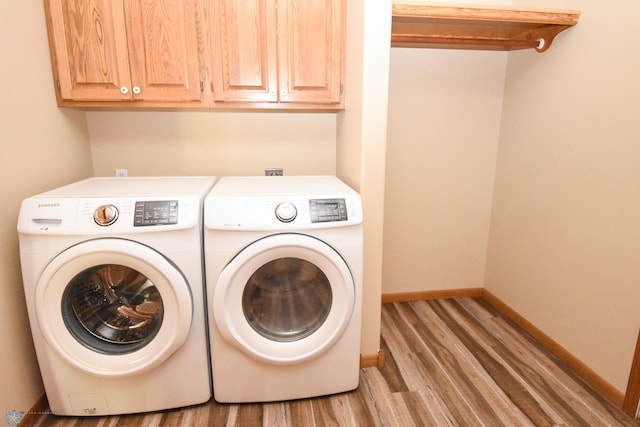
x=283 y=261
x=113 y=278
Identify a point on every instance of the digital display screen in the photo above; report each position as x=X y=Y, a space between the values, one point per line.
x=328 y=210
x=159 y=212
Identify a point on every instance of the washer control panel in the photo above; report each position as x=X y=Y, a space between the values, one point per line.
x=328 y=210
x=155 y=212
x=108 y=206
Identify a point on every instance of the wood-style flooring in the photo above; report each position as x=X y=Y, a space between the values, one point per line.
x=449 y=362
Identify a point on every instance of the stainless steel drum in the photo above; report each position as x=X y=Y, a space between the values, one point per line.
x=112 y=307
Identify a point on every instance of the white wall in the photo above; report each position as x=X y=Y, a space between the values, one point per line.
x=362 y=143
x=212 y=143
x=444 y=122
x=42 y=147
x=564 y=247
x=443 y=129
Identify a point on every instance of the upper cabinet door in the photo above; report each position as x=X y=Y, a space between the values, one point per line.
x=90 y=49
x=125 y=50
x=244 y=57
x=279 y=54
x=310 y=50
x=163 y=49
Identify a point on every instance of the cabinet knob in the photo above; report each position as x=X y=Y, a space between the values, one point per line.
x=124 y=90
x=136 y=89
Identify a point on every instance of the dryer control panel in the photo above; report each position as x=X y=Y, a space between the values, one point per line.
x=328 y=210
x=282 y=203
x=282 y=213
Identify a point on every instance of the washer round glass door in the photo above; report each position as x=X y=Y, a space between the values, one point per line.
x=113 y=307
x=284 y=299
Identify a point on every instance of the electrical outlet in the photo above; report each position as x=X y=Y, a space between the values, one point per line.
x=121 y=172
x=273 y=171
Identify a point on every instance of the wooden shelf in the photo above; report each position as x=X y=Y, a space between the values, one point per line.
x=477 y=27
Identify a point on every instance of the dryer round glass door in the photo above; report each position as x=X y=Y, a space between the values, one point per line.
x=285 y=298
x=113 y=307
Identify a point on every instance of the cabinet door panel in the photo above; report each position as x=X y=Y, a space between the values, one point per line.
x=244 y=51
x=90 y=49
x=163 y=49
x=310 y=50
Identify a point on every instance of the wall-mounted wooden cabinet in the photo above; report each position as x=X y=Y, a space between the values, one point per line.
x=290 y=52
x=117 y=52
x=277 y=54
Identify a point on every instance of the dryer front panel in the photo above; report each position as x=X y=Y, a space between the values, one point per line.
x=113 y=307
x=284 y=299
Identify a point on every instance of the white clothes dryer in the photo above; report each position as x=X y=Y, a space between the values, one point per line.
x=113 y=279
x=283 y=261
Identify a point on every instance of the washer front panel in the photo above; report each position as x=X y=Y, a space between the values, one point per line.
x=113 y=307
x=284 y=299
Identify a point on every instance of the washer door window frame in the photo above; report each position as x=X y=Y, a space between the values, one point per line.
x=166 y=277
x=112 y=308
x=227 y=298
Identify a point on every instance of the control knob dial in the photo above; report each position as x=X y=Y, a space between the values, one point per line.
x=286 y=212
x=105 y=215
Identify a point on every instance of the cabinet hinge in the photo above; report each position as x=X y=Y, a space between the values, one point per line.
x=341 y=88
x=201 y=86
x=58 y=84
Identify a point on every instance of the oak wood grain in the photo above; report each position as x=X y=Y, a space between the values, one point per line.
x=477 y=27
